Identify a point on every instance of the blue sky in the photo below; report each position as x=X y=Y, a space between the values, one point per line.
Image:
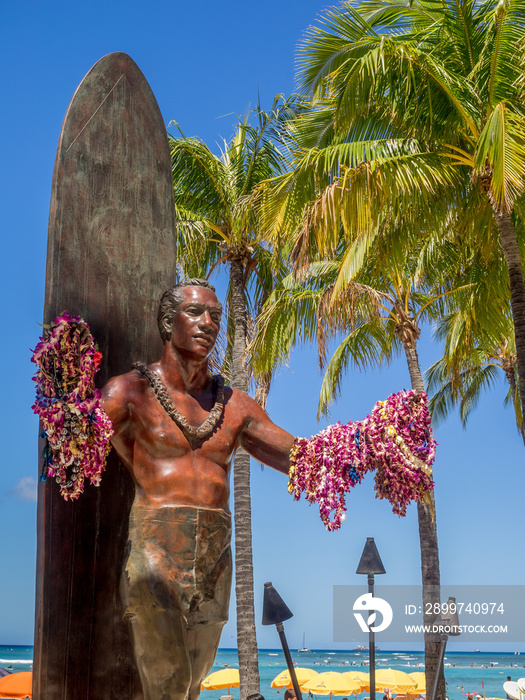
x=207 y=62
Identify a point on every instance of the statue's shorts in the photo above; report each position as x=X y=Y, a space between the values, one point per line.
x=179 y=560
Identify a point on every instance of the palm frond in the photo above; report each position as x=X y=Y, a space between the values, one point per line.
x=364 y=346
x=501 y=156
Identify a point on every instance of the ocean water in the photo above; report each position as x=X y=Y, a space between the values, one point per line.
x=16 y=658
x=465 y=672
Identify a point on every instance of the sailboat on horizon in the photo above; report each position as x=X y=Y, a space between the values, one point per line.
x=304 y=645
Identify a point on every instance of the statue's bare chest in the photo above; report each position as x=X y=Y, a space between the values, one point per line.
x=164 y=437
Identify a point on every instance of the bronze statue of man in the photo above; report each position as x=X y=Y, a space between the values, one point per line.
x=176 y=430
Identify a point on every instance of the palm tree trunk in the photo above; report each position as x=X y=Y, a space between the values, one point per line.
x=511 y=251
x=263 y=382
x=510 y=373
x=246 y=637
x=430 y=577
x=416 y=378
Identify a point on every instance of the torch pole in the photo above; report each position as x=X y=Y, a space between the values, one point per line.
x=289 y=662
x=372 y=644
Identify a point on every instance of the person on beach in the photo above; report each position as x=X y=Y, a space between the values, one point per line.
x=289 y=694
x=176 y=430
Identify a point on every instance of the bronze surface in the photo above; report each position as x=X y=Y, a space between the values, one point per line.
x=178 y=570
x=110 y=252
x=176 y=582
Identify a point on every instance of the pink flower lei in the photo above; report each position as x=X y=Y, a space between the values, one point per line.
x=396 y=441
x=76 y=429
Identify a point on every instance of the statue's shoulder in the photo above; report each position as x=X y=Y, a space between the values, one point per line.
x=121 y=394
x=241 y=401
x=125 y=386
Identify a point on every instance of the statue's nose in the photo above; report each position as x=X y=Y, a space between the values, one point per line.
x=205 y=319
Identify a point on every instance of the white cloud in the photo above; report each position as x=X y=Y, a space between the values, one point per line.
x=26 y=489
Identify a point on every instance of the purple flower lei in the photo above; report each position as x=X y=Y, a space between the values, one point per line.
x=76 y=429
x=396 y=441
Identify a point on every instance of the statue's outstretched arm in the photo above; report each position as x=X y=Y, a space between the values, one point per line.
x=264 y=440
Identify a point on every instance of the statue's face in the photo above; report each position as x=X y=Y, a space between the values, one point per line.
x=196 y=323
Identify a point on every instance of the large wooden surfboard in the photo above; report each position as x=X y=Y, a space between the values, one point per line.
x=111 y=253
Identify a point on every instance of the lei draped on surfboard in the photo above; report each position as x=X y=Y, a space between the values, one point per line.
x=76 y=429
x=396 y=441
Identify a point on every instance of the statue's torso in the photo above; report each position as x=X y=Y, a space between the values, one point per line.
x=166 y=467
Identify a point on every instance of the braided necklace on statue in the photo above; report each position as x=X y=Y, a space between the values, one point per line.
x=160 y=391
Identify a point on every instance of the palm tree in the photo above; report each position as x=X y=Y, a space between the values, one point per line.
x=217 y=223
x=463 y=385
x=416 y=106
x=477 y=332
x=475 y=356
x=380 y=310
x=416 y=122
x=441 y=85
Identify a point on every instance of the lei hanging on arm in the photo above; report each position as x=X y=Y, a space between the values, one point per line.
x=396 y=440
x=76 y=429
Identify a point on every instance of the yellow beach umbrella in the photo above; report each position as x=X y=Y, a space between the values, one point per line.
x=419 y=678
x=332 y=683
x=397 y=681
x=225 y=678
x=360 y=677
x=421 y=684
x=304 y=675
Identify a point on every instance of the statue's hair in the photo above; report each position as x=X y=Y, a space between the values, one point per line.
x=172 y=299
